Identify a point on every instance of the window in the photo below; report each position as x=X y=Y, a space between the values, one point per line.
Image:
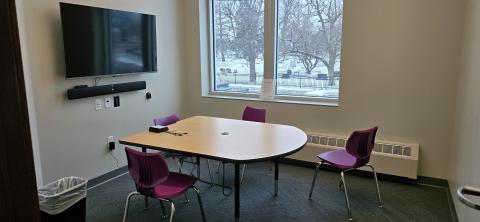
x=307 y=46
x=309 y=41
x=238 y=45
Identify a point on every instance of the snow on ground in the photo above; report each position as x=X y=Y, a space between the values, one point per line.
x=233 y=75
x=289 y=63
x=284 y=90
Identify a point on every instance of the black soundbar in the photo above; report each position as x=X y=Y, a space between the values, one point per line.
x=82 y=92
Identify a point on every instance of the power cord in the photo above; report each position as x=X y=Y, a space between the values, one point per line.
x=116 y=160
x=96 y=80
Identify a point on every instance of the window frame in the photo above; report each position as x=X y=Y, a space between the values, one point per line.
x=272 y=7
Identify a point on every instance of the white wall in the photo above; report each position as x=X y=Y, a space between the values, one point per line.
x=71 y=134
x=399 y=67
x=465 y=152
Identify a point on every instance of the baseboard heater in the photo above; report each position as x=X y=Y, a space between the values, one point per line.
x=392 y=158
x=82 y=92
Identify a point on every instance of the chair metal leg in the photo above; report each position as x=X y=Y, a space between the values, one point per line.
x=340 y=185
x=237 y=191
x=128 y=201
x=276 y=178
x=314 y=179
x=180 y=165
x=172 y=211
x=197 y=165
x=210 y=173
x=243 y=172
x=164 y=212
x=186 y=197
x=342 y=174
x=146 y=202
x=200 y=202
x=223 y=180
x=376 y=183
x=218 y=167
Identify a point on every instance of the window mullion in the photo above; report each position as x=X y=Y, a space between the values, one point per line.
x=270 y=30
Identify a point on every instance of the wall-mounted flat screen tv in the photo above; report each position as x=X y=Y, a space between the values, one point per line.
x=99 y=41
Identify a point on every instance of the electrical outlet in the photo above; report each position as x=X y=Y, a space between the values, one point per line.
x=110 y=143
x=108 y=102
x=98 y=104
x=116 y=101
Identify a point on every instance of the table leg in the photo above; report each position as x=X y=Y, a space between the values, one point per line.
x=237 y=191
x=198 y=167
x=276 y=177
x=144 y=149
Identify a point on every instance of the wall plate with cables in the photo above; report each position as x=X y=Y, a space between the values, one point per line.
x=110 y=143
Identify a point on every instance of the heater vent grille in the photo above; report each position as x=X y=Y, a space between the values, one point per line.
x=388 y=157
x=398 y=149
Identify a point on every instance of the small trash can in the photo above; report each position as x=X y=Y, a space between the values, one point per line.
x=63 y=200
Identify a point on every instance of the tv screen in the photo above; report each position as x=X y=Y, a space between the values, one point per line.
x=100 y=41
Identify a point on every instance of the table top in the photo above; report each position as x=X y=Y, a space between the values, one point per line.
x=224 y=139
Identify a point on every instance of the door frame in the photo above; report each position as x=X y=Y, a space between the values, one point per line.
x=18 y=189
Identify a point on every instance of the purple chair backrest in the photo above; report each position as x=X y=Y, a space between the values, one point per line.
x=360 y=145
x=254 y=115
x=165 y=121
x=146 y=169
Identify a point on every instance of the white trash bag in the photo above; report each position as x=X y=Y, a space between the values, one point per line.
x=58 y=196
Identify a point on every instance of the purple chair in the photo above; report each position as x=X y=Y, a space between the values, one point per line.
x=152 y=179
x=165 y=121
x=253 y=115
x=357 y=154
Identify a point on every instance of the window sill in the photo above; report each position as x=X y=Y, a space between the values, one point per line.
x=283 y=99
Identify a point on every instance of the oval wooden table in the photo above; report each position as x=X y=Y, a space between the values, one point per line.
x=226 y=140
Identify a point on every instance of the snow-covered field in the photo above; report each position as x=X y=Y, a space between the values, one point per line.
x=233 y=75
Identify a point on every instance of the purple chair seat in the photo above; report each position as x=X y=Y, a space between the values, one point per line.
x=339 y=158
x=175 y=185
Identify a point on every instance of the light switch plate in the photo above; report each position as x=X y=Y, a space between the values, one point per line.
x=98 y=104
x=108 y=102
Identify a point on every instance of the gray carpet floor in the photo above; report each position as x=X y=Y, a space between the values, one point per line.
x=402 y=202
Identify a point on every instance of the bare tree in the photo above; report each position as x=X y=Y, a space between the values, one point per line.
x=287 y=9
x=220 y=40
x=249 y=32
x=313 y=42
x=329 y=13
x=230 y=9
x=300 y=36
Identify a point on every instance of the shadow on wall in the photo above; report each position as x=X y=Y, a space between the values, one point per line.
x=56 y=38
